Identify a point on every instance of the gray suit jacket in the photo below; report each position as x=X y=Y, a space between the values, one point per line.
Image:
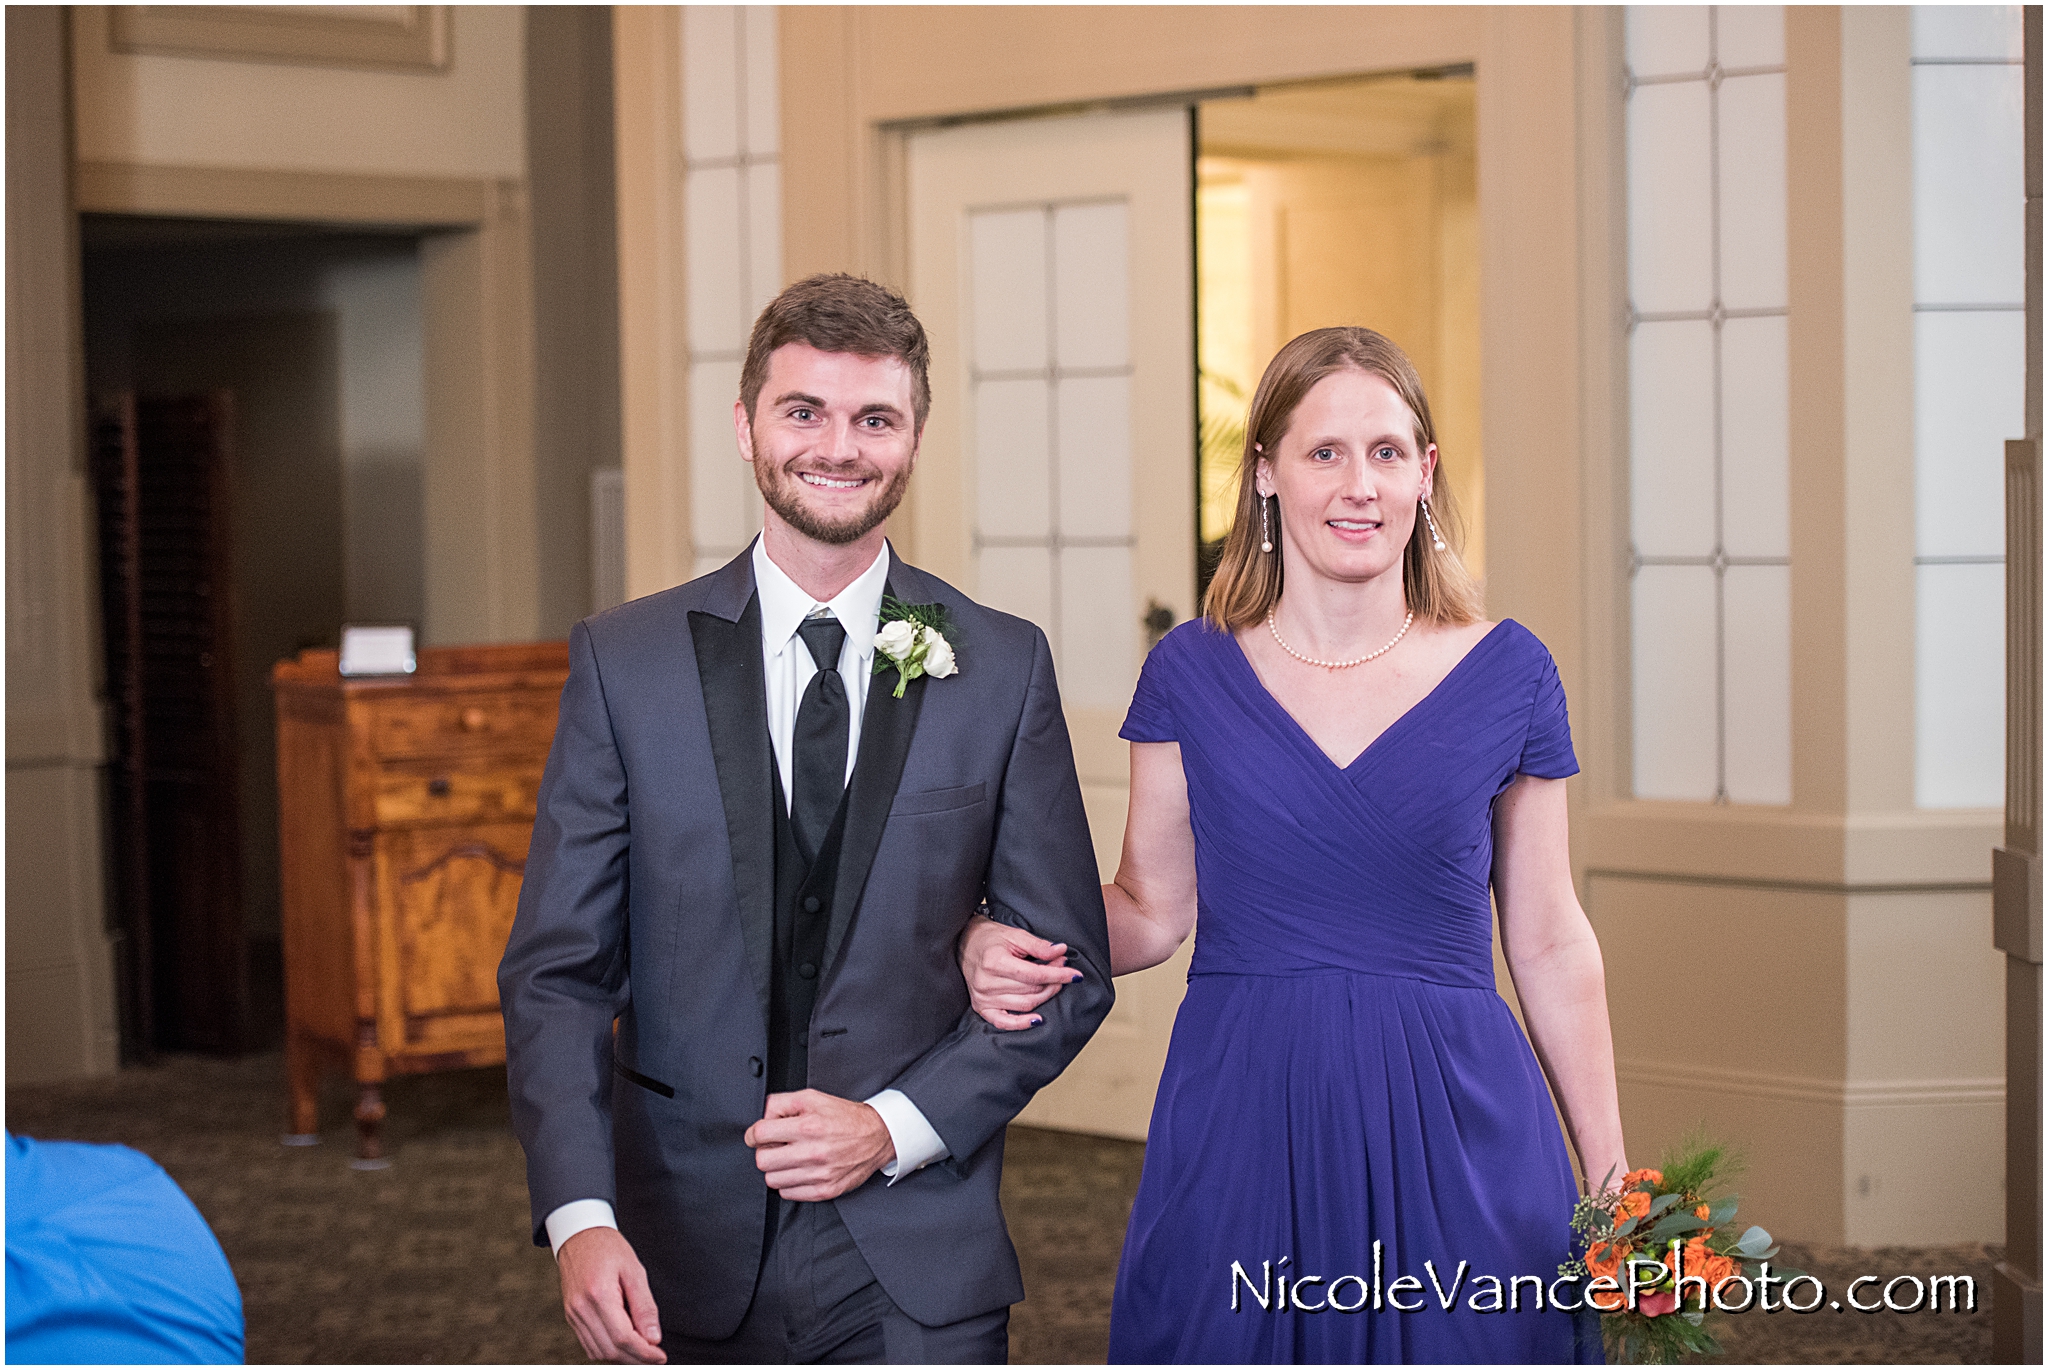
x=648 y=897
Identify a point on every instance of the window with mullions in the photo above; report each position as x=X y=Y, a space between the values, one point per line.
x=732 y=213
x=1969 y=387
x=1709 y=564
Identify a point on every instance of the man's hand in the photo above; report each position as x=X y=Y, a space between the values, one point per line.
x=1009 y=972
x=813 y=1146
x=605 y=1295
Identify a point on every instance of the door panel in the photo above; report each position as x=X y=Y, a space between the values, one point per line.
x=1050 y=259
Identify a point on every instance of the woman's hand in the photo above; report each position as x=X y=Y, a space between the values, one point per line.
x=1009 y=972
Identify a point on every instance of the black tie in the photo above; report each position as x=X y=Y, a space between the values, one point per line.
x=819 y=770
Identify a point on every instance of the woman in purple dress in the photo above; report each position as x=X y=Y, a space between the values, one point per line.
x=1336 y=775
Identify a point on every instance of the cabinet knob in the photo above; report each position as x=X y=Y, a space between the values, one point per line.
x=438 y=786
x=473 y=719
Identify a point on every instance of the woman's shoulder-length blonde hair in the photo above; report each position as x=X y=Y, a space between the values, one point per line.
x=1247 y=582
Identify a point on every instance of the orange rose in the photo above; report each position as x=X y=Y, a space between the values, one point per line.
x=1637 y=1176
x=1702 y=1262
x=1696 y=1255
x=1634 y=1204
x=1701 y=1212
x=1605 y=1258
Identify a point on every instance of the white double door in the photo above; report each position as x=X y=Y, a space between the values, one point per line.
x=1051 y=261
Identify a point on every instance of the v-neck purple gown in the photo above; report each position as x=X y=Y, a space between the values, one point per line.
x=1342 y=1072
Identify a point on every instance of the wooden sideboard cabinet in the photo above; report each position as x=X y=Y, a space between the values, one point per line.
x=405 y=804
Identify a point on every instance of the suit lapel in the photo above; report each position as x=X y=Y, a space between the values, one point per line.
x=736 y=709
x=885 y=732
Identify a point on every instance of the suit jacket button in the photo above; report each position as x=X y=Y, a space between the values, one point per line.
x=754 y=1066
x=807 y=971
x=810 y=903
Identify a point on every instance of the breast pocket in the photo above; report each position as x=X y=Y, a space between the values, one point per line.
x=939 y=801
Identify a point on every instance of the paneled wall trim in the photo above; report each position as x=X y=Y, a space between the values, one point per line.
x=400 y=36
x=1757 y=1084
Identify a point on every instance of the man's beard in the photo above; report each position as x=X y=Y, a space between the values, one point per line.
x=783 y=492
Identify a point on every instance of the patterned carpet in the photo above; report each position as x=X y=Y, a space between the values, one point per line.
x=429 y=1261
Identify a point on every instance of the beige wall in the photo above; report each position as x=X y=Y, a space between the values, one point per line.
x=162 y=110
x=654 y=345
x=576 y=288
x=60 y=982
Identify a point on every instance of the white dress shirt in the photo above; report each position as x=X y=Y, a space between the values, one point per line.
x=787 y=666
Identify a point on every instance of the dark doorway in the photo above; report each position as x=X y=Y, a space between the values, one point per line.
x=314 y=339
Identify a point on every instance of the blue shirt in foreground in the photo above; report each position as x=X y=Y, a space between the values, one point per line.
x=109 y=1262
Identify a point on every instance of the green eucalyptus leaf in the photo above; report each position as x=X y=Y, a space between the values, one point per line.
x=1676 y=1225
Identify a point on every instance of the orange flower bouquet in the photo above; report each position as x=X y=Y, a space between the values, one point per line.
x=1663 y=1259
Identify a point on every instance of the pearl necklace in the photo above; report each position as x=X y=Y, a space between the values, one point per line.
x=1336 y=665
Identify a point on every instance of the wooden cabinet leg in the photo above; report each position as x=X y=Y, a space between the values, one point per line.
x=369 y=1127
x=302 y=1076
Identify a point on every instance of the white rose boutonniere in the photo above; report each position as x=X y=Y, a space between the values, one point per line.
x=913 y=639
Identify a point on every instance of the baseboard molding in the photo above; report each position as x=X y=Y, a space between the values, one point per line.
x=1846 y=1094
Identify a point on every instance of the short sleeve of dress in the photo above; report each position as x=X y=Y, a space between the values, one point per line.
x=1547 y=750
x=1151 y=714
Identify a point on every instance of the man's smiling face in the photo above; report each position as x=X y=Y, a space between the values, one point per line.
x=832 y=439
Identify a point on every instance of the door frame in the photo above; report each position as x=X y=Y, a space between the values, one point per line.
x=480 y=531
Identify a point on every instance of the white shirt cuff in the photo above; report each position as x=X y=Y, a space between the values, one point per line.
x=572 y=1217
x=917 y=1145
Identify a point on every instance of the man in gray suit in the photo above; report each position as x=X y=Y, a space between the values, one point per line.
x=758 y=866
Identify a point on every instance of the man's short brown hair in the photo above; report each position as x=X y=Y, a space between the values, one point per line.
x=835 y=312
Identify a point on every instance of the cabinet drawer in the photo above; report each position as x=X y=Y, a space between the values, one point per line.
x=508 y=725
x=456 y=794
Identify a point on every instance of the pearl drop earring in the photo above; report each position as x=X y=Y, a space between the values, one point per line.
x=1265 y=519
x=1436 y=539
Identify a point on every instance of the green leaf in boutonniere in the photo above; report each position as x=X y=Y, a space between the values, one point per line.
x=915 y=639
